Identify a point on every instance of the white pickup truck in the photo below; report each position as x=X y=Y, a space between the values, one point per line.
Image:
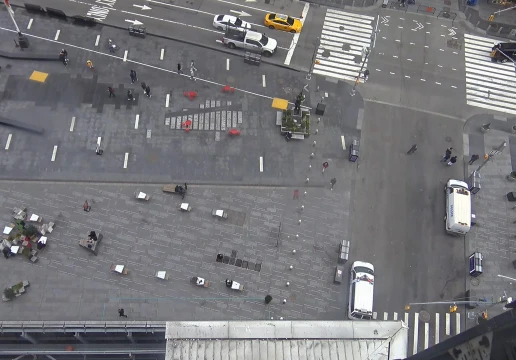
x=249 y=40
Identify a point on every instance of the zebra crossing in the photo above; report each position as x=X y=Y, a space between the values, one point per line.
x=343 y=38
x=434 y=329
x=489 y=85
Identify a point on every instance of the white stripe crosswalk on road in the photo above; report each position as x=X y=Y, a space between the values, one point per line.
x=344 y=36
x=489 y=85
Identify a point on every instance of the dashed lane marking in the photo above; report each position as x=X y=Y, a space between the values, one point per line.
x=125 y=55
x=57 y=34
x=29 y=25
x=8 y=143
x=97 y=40
x=264 y=84
x=136 y=121
x=227 y=64
x=126 y=158
x=261 y=163
x=72 y=124
x=167 y=101
x=54 y=154
x=162 y=55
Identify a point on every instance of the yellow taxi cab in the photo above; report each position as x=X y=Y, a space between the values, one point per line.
x=283 y=22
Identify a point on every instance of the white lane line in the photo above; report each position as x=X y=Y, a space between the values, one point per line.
x=97 y=40
x=457 y=323
x=54 y=154
x=343 y=142
x=295 y=38
x=264 y=84
x=126 y=158
x=136 y=121
x=181 y=7
x=416 y=329
x=72 y=124
x=385 y=316
x=29 y=25
x=447 y=331
x=400 y=27
x=57 y=34
x=227 y=64
x=167 y=100
x=436 y=328
x=174 y=72
x=395 y=316
x=162 y=55
x=427 y=335
x=376 y=31
x=406 y=319
x=8 y=141
x=261 y=163
x=125 y=55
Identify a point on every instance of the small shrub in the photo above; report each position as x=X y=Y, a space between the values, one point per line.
x=9 y=293
x=268 y=299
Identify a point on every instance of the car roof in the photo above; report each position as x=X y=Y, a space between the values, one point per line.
x=253 y=35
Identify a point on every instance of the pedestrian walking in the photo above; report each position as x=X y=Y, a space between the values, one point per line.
x=474 y=158
x=325 y=166
x=121 y=313
x=179 y=69
x=333 y=181
x=452 y=161
x=193 y=69
x=144 y=86
x=447 y=155
x=86 y=206
x=133 y=76
x=412 y=149
x=111 y=91
x=147 y=91
x=89 y=64
x=130 y=96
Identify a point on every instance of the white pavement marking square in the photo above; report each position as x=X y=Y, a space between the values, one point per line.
x=126 y=158
x=125 y=55
x=395 y=316
x=375 y=315
x=29 y=25
x=385 y=316
x=99 y=140
x=136 y=121
x=57 y=35
x=436 y=328
x=54 y=154
x=447 y=330
x=162 y=55
x=416 y=330
x=97 y=40
x=261 y=163
x=264 y=84
x=457 y=323
x=295 y=38
x=427 y=335
x=167 y=101
x=8 y=141
x=227 y=64
x=72 y=124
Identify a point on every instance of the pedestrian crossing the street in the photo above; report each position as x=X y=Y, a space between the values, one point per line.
x=343 y=39
x=425 y=330
x=489 y=85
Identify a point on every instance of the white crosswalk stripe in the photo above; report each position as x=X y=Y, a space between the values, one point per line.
x=489 y=85
x=423 y=335
x=344 y=36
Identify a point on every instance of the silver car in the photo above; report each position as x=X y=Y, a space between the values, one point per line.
x=221 y=22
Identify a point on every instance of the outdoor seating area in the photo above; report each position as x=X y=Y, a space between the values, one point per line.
x=25 y=235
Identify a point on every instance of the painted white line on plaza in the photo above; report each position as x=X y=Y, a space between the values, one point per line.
x=57 y=34
x=54 y=154
x=99 y=140
x=375 y=315
x=416 y=109
x=343 y=142
x=295 y=38
x=436 y=328
x=447 y=329
x=174 y=72
x=376 y=31
x=97 y=40
x=30 y=24
x=162 y=55
x=395 y=316
x=427 y=335
x=72 y=124
x=8 y=141
x=136 y=121
x=261 y=163
x=385 y=316
x=264 y=84
x=457 y=323
x=227 y=64
x=406 y=319
x=416 y=329
x=125 y=55
x=126 y=158
x=167 y=100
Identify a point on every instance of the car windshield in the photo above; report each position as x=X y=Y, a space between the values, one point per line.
x=290 y=21
x=361 y=269
x=238 y=22
x=264 y=40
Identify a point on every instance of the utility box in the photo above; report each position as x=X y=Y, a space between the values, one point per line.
x=339 y=273
x=138 y=31
x=353 y=151
x=475 y=264
x=343 y=252
x=474 y=182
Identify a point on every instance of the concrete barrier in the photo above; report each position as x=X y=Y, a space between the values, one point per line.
x=56 y=13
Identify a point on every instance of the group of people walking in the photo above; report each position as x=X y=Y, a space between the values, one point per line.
x=447 y=157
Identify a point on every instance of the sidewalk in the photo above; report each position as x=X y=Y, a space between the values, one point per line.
x=494 y=234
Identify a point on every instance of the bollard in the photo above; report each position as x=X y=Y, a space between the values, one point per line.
x=315 y=142
x=281 y=318
x=284 y=301
x=309 y=167
x=323 y=170
x=316 y=131
x=307 y=179
x=312 y=155
x=318 y=120
x=297 y=236
x=291 y=267
x=288 y=284
x=304 y=194
x=302 y=207
x=294 y=251
x=299 y=222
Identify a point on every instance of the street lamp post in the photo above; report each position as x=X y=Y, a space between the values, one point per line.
x=23 y=42
x=314 y=55
x=365 y=54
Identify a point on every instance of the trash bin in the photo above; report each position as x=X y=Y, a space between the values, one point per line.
x=353 y=151
x=343 y=252
x=138 y=31
x=339 y=272
x=475 y=264
x=23 y=41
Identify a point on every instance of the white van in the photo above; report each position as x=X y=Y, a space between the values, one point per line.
x=361 y=290
x=458 y=207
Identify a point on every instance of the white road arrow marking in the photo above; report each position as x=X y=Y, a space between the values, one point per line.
x=452 y=32
x=134 y=22
x=384 y=20
x=142 y=7
x=240 y=13
x=418 y=27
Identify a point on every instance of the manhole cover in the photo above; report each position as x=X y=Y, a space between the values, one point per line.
x=326 y=53
x=475 y=281
x=230 y=79
x=424 y=316
x=341 y=28
x=346 y=47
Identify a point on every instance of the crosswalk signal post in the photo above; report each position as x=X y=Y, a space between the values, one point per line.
x=365 y=54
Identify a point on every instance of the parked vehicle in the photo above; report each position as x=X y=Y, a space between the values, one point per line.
x=361 y=291
x=249 y=40
x=283 y=22
x=458 y=207
x=221 y=22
